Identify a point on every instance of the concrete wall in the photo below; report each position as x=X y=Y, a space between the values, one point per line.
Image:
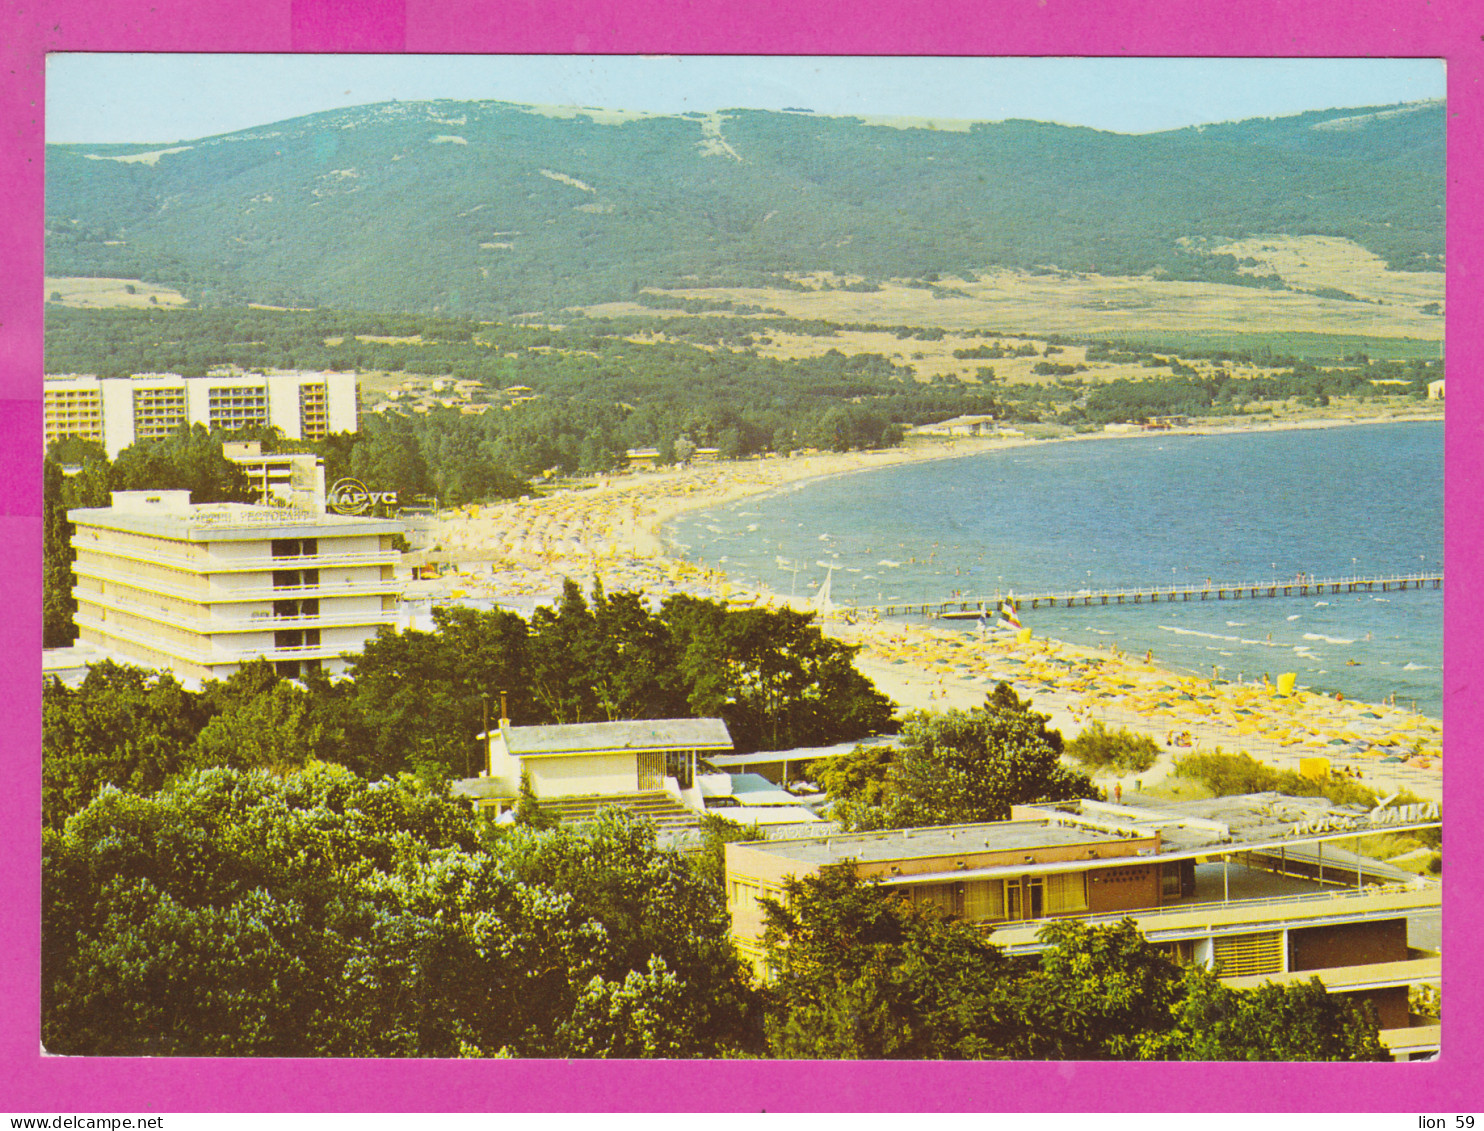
x=582 y=775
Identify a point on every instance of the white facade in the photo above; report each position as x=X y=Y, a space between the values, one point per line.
x=202 y=589
x=290 y=477
x=117 y=411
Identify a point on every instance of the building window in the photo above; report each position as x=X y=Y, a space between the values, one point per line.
x=233 y=408
x=295 y=547
x=984 y=900
x=314 y=412
x=308 y=607
x=287 y=669
x=158 y=412
x=294 y=578
x=1066 y=892
x=1025 y=898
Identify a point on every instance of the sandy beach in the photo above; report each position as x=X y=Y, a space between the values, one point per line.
x=517 y=553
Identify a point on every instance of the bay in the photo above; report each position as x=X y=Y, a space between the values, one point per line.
x=1146 y=510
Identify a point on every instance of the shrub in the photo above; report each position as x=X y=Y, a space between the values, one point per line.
x=1099 y=748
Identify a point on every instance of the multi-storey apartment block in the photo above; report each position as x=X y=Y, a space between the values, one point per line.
x=117 y=411
x=202 y=589
x=1241 y=884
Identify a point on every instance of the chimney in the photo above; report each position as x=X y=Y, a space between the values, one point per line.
x=504 y=712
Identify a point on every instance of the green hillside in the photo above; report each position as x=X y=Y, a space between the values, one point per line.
x=490 y=209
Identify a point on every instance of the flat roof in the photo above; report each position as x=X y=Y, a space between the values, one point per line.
x=1187 y=830
x=230 y=522
x=901 y=844
x=626 y=735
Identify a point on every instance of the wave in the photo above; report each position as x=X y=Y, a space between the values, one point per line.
x=1411 y=667
x=1218 y=636
x=888 y=564
x=1327 y=639
x=1294 y=617
x=1321 y=604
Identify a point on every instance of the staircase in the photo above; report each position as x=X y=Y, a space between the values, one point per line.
x=664 y=809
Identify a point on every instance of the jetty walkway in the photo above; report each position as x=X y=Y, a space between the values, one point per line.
x=962 y=608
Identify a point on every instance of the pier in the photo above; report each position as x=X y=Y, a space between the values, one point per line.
x=963 y=608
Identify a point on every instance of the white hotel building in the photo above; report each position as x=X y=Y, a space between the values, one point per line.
x=201 y=589
x=117 y=411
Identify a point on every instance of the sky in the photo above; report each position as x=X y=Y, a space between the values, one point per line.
x=166 y=98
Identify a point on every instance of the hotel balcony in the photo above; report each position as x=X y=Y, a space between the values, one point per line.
x=206 y=653
x=211 y=564
x=220 y=595
x=220 y=625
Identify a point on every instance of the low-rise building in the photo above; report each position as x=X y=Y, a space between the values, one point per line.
x=647 y=765
x=1256 y=886
x=958 y=426
x=201 y=589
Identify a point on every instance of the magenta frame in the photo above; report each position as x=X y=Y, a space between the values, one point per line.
x=30 y=1082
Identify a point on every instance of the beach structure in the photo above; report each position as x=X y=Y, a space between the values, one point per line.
x=649 y=766
x=965 y=608
x=958 y=426
x=117 y=411
x=200 y=589
x=1257 y=887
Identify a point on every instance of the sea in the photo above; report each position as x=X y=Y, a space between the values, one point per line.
x=1148 y=510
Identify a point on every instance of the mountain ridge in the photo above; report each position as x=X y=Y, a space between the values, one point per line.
x=490 y=207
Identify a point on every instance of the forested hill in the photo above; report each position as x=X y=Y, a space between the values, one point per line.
x=490 y=209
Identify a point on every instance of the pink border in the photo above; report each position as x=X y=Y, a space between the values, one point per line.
x=949 y=27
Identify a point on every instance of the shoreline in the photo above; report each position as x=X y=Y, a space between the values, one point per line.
x=519 y=553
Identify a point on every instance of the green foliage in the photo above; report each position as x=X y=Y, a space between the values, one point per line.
x=858 y=973
x=772 y=675
x=417 y=696
x=1097 y=994
x=1298 y=1021
x=717 y=832
x=1227 y=774
x=123 y=726
x=232 y=222
x=317 y=914
x=190 y=458
x=649 y=902
x=1098 y=748
x=963 y=766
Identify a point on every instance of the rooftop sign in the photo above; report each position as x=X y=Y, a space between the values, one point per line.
x=350 y=497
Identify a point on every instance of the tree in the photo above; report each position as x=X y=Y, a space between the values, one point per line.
x=122 y=726
x=61 y=492
x=190 y=458
x=1296 y=1021
x=963 y=766
x=1098 y=994
x=858 y=783
x=418 y=696
x=217 y=916
x=1098 y=748
x=772 y=675
x=859 y=973
x=650 y=904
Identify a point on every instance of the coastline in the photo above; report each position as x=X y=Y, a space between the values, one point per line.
x=519 y=553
